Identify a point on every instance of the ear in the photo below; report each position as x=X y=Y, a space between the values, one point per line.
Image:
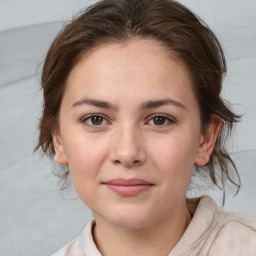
x=207 y=141
x=60 y=155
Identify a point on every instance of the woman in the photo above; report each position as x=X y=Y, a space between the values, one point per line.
x=131 y=107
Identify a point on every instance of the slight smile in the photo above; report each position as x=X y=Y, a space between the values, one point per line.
x=128 y=187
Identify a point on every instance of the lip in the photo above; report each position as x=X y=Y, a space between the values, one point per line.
x=128 y=187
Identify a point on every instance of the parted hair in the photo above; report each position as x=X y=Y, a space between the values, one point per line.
x=166 y=21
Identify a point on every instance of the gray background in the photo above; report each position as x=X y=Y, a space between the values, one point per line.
x=37 y=219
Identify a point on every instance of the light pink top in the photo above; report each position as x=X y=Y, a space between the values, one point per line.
x=211 y=232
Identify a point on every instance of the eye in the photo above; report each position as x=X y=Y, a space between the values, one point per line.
x=160 y=120
x=94 y=120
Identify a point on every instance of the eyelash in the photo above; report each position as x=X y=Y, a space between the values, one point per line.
x=150 y=118
x=88 y=117
x=166 y=118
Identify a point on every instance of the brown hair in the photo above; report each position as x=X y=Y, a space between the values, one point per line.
x=166 y=21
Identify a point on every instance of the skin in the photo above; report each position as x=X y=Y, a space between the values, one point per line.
x=128 y=141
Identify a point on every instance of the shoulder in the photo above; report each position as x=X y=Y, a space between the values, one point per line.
x=236 y=233
x=215 y=232
x=81 y=244
x=73 y=248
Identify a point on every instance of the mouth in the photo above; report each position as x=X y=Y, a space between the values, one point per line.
x=128 y=187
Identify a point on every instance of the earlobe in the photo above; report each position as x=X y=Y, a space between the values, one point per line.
x=60 y=156
x=207 y=141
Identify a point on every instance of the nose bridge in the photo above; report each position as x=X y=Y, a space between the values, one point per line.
x=128 y=147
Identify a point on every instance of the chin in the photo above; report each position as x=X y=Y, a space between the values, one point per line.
x=129 y=217
x=130 y=223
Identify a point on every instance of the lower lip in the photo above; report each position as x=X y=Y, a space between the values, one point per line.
x=125 y=190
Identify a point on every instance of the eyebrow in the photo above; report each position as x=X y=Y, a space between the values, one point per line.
x=159 y=103
x=145 y=105
x=95 y=103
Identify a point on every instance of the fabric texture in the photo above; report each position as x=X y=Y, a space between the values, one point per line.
x=211 y=232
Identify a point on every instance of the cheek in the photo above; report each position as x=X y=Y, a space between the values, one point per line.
x=85 y=158
x=174 y=156
x=85 y=162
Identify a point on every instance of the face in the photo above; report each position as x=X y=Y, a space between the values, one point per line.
x=130 y=132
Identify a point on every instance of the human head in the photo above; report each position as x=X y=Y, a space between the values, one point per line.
x=166 y=21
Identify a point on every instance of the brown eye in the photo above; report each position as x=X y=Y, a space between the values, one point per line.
x=159 y=120
x=96 y=120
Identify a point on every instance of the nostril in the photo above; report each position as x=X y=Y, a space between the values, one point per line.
x=116 y=162
x=127 y=163
x=127 y=153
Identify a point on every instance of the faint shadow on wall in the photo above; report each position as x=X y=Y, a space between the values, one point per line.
x=22 y=51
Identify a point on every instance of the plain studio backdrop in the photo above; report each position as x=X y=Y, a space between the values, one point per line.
x=37 y=219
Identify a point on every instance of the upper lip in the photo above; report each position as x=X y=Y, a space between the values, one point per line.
x=127 y=182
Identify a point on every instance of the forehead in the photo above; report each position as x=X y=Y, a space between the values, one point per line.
x=145 y=66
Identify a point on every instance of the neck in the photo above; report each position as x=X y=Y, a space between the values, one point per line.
x=156 y=239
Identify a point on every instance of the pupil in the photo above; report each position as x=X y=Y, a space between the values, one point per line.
x=97 y=120
x=159 y=120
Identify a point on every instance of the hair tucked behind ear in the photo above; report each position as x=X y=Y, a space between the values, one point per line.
x=166 y=21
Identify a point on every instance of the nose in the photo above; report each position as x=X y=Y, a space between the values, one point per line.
x=128 y=148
